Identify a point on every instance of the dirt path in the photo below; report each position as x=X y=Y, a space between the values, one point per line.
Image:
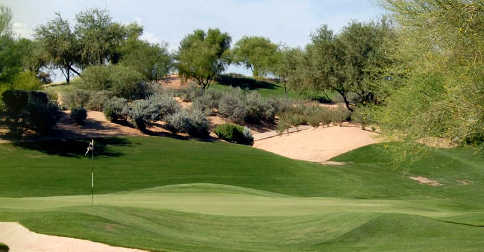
x=20 y=239
x=317 y=144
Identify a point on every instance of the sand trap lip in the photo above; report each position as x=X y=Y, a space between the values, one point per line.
x=20 y=239
x=426 y=181
x=317 y=144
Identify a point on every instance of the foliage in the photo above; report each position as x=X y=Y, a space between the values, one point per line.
x=137 y=114
x=234 y=133
x=351 y=62
x=190 y=93
x=233 y=106
x=439 y=83
x=3 y=247
x=120 y=80
x=26 y=81
x=301 y=114
x=209 y=101
x=60 y=44
x=202 y=55
x=29 y=110
x=151 y=60
x=114 y=109
x=258 y=54
x=79 y=115
x=193 y=122
x=99 y=37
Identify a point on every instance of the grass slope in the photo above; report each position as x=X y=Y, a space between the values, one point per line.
x=177 y=195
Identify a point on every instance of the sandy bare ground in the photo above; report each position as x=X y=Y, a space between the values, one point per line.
x=318 y=144
x=426 y=181
x=20 y=239
x=96 y=126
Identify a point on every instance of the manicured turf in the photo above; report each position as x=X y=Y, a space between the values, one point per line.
x=182 y=195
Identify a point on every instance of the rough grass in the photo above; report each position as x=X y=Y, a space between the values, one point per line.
x=164 y=194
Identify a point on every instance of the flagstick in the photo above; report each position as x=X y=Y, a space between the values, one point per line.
x=92 y=174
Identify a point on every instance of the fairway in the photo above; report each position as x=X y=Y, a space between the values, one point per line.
x=228 y=197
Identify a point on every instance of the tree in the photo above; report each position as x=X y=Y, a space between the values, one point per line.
x=99 y=37
x=5 y=21
x=202 y=55
x=60 y=44
x=152 y=60
x=440 y=91
x=258 y=54
x=351 y=62
x=289 y=66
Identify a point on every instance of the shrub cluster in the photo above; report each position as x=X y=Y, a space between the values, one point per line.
x=234 y=133
x=194 y=122
x=114 y=109
x=79 y=115
x=29 y=110
x=120 y=80
x=4 y=247
x=80 y=98
x=302 y=114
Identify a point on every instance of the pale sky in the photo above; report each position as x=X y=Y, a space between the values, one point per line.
x=283 y=21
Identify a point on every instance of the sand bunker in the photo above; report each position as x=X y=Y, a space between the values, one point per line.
x=20 y=239
x=317 y=144
x=426 y=181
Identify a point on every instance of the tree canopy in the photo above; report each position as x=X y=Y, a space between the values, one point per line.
x=203 y=55
x=258 y=54
x=440 y=86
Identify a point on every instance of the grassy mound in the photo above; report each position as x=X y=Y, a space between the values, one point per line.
x=166 y=194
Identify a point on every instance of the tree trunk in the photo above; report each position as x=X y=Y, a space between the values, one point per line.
x=347 y=103
x=68 y=76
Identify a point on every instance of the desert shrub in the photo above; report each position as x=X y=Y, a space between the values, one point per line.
x=4 y=247
x=234 y=133
x=114 y=109
x=79 y=115
x=258 y=109
x=208 y=101
x=194 y=122
x=159 y=106
x=120 y=80
x=75 y=98
x=233 y=106
x=137 y=115
x=190 y=93
x=97 y=99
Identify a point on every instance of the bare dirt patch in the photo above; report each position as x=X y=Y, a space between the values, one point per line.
x=317 y=144
x=19 y=238
x=464 y=181
x=426 y=181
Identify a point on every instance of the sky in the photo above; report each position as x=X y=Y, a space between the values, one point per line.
x=283 y=21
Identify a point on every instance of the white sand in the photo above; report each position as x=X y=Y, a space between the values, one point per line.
x=20 y=239
x=318 y=144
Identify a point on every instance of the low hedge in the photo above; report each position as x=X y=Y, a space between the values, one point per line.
x=234 y=133
x=79 y=115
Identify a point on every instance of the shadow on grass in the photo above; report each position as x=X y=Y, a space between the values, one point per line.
x=244 y=82
x=75 y=147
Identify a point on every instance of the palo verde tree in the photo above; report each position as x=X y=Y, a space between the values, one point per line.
x=258 y=54
x=152 y=60
x=61 y=46
x=203 y=55
x=440 y=89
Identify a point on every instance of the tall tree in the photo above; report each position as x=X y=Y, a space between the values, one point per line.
x=203 y=55
x=61 y=45
x=440 y=83
x=151 y=60
x=289 y=66
x=99 y=37
x=258 y=54
x=351 y=62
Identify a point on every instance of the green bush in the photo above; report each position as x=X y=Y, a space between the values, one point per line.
x=194 y=122
x=26 y=81
x=259 y=109
x=234 y=133
x=4 y=247
x=79 y=115
x=160 y=106
x=29 y=110
x=137 y=114
x=233 y=106
x=75 y=98
x=115 y=109
x=120 y=80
